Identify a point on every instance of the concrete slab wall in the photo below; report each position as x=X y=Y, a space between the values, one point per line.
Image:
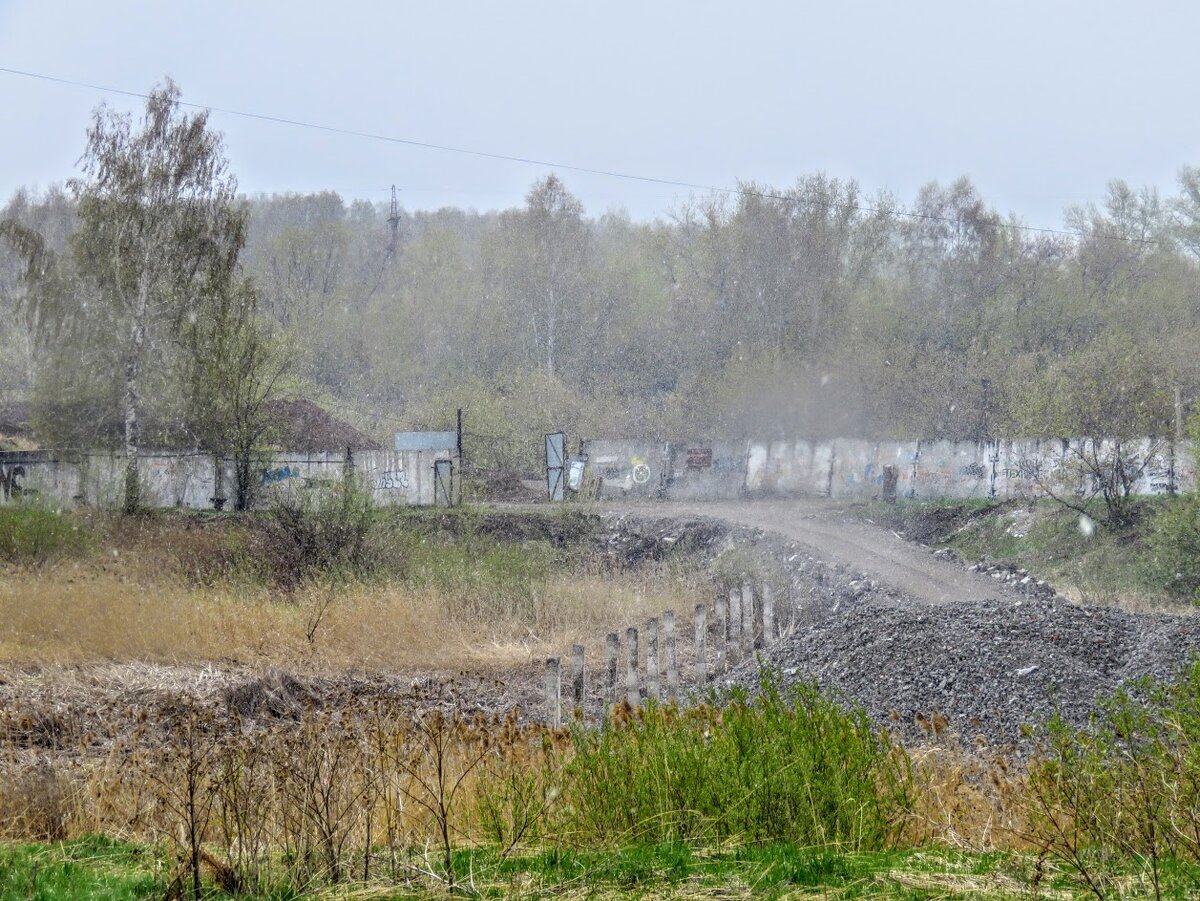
x=854 y=468
x=629 y=467
x=188 y=479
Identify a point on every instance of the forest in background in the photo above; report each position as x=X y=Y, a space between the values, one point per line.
x=804 y=312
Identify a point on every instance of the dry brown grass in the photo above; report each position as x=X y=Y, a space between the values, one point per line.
x=975 y=800
x=80 y=615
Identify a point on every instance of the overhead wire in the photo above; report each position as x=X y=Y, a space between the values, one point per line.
x=548 y=164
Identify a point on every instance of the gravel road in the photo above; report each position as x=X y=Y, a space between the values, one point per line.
x=935 y=638
x=825 y=526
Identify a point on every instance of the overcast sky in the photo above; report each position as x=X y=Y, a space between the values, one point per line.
x=1040 y=103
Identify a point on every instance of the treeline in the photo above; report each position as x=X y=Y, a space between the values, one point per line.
x=809 y=311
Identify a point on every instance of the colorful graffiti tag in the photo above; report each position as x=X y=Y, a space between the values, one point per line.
x=279 y=475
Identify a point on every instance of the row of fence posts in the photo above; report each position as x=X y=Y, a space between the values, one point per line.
x=744 y=622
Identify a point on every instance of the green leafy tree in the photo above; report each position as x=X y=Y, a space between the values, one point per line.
x=232 y=370
x=543 y=269
x=158 y=227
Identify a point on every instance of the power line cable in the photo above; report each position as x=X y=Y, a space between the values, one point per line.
x=547 y=164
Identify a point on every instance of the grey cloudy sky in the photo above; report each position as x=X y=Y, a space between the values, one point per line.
x=1041 y=103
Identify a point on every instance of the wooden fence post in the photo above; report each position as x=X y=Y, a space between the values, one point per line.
x=735 y=619
x=577 y=675
x=722 y=633
x=668 y=621
x=612 y=645
x=768 y=616
x=701 y=628
x=632 y=692
x=753 y=617
x=553 y=692
x=753 y=607
x=652 y=669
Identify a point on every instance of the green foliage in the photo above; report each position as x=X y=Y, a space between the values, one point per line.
x=795 y=311
x=332 y=532
x=1174 y=544
x=94 y=867
x=786 y=764
x=1126 y=788
x=489 y=578
x=32 y=533
x=1101 y=567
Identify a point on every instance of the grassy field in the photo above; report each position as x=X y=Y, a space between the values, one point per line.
x=359 y=790
x=108 y=870
x=438 y=594
x=67 y=617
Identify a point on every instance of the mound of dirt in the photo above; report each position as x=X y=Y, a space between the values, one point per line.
x=276 y=695
x=631 y=540
x=988 y=667
x=938 y=523
x=510 y=486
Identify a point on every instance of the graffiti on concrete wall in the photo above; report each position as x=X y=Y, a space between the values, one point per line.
x=973 y=471
x=9 y=486
x=1024 y=468
x=278 y=475
x=389 y=480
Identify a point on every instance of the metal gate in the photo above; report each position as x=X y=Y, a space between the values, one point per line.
x=443 y=483
x=556 y=455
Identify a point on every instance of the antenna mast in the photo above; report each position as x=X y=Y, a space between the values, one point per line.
x=394 y=223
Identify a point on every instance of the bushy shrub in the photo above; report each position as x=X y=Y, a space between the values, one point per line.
x=1125 y=790
x=784 y=764
x=1174 y=541
x=319 y=531
x=33 y=534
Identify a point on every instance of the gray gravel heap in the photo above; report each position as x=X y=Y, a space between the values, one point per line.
x=988 y=667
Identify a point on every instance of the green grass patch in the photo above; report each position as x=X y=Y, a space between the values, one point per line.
x=94 y=867
x=784 y=764
x=34 y=534
x=105 y=869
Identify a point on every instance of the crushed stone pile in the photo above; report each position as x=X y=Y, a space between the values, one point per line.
x=989 y=667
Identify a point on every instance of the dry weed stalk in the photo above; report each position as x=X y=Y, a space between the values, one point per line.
x=311 y=797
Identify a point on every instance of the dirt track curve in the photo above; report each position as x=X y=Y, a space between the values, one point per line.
x=827 y=528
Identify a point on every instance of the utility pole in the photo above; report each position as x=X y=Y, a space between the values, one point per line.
x=1176 y=442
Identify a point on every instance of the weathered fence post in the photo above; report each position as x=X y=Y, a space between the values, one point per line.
x=751 y=613
x=553 y=692
x=612 y=645
x=577 y=676
x=768 y=615
x=632 y=693
x=668 y=621
x=652 y=669
x=722 y=633
x=701 y=628
x=735 y=619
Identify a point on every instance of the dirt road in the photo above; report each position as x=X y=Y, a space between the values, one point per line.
x=827 y=528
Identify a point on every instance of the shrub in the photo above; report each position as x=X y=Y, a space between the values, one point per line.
x=1125 y=789
x=321 y=530
x=1174 y=541
x=786 y=764
x=34 y=534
